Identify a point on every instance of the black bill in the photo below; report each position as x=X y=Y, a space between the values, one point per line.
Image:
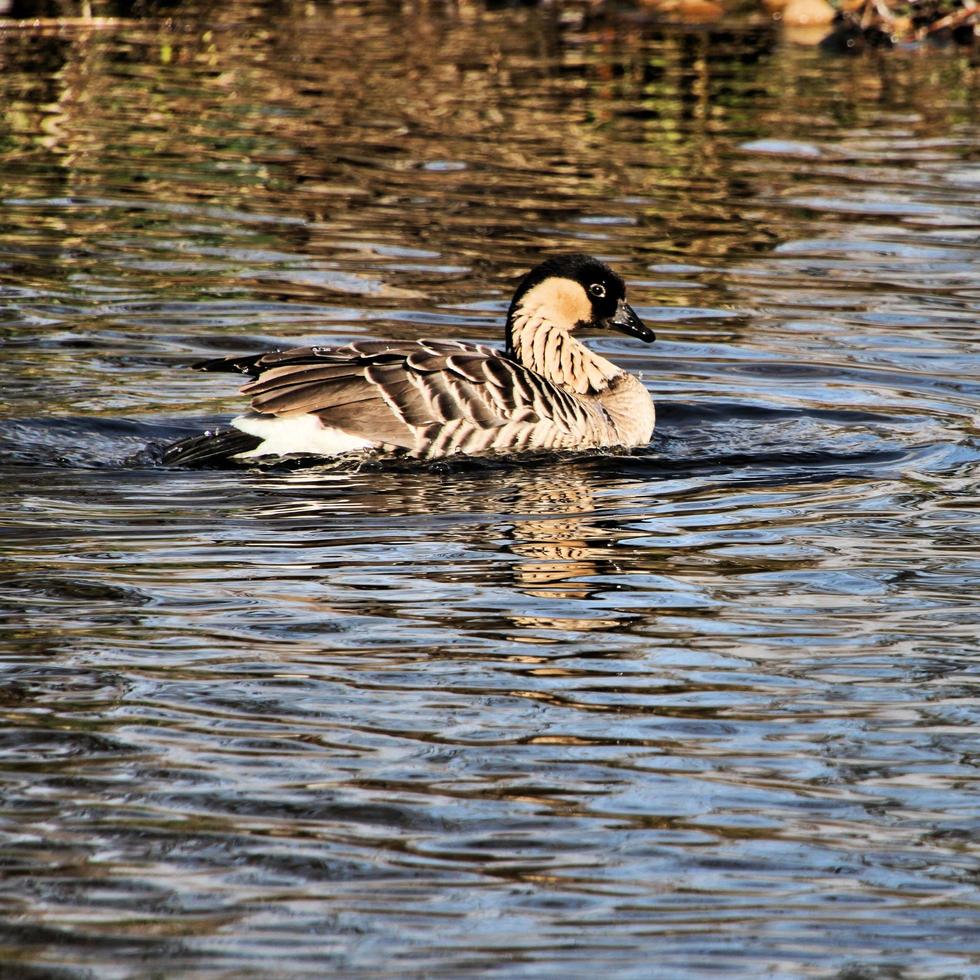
x=626 y=321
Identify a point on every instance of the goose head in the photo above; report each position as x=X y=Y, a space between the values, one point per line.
x=573 y=292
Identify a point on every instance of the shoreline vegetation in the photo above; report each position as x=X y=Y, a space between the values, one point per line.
x=883 y=23
x=836 y=25
x=841 y=25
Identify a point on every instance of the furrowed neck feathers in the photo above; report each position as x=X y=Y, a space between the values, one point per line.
x=539 y=336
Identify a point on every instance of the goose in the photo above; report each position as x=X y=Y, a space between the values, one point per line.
x=432 y=399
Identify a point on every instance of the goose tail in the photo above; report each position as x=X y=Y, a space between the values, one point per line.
x=210 y=449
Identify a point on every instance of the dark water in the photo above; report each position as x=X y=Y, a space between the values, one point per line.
x=708 y=708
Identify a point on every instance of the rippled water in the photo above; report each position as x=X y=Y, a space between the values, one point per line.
x=706 y=708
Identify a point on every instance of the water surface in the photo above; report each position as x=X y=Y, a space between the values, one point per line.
x=705 y=708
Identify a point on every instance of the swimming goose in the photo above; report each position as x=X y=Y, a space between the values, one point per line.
x=431 y=399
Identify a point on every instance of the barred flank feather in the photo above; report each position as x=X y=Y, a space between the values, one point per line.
x=393 y=397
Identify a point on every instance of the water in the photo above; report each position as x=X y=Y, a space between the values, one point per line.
x=706 y=708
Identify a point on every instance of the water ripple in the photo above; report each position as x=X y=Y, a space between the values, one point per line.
x=701 y=707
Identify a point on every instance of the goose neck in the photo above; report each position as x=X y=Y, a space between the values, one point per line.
x=551 y=351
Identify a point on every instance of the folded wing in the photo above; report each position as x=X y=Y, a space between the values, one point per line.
x=407 y=395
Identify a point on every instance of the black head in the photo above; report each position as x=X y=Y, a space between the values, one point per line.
x=600 y=303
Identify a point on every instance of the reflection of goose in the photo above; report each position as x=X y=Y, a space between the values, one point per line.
x=429 y=400
x=538 y=525
x=552 y=539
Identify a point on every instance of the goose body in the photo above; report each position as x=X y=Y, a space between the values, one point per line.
x=431 y=399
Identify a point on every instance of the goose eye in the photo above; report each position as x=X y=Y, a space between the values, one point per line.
x=598 y=290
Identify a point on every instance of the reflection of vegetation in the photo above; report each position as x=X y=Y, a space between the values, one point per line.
x=479 y=139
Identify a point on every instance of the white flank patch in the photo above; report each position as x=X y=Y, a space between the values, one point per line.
x=302 y=434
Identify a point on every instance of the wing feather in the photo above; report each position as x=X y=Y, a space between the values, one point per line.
x=412 y=395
